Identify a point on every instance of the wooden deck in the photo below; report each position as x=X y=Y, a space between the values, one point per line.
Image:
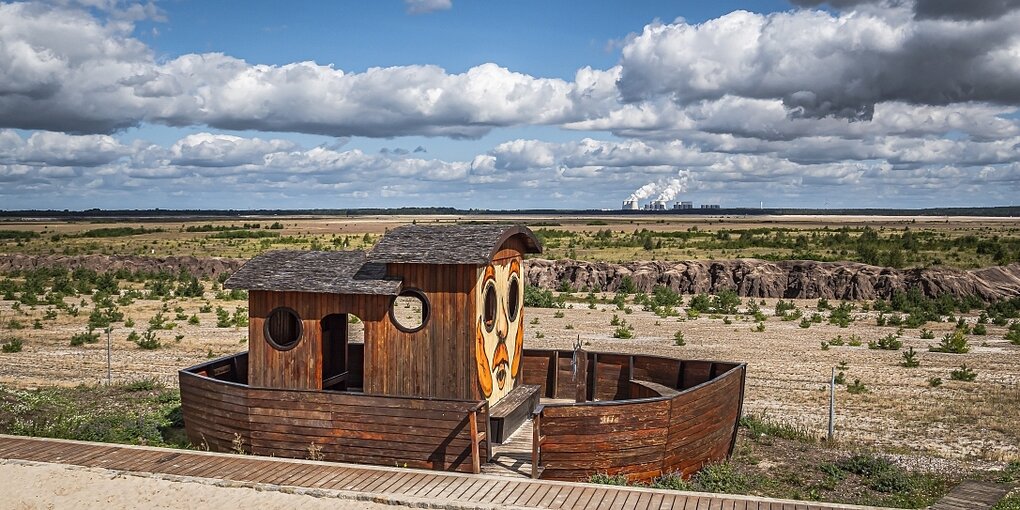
x=972 y=496
x=382 y=484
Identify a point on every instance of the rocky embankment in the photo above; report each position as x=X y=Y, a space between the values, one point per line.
x=803 y=279
x=199 y=266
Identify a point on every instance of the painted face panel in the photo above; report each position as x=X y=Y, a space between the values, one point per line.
x=499 y=332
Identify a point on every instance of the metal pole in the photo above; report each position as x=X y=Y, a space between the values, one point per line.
x=832 y=405
x=109 y=355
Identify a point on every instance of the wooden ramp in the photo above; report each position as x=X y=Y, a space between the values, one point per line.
x=410 y=487
x=972 y=496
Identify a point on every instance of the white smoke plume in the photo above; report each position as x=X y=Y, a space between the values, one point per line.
x=674 y=187
x=645 y=191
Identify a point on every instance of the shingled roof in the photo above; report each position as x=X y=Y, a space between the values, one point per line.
x=448 y=244
x=334 y=272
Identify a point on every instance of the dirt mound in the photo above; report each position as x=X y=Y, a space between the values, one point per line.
x=802 y=279
x=206 y=266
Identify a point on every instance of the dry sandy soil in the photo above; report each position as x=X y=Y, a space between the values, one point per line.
x=787 y=381
x=30 y=486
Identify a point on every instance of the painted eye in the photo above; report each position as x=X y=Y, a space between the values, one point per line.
x=489 y=311
x=514 y=298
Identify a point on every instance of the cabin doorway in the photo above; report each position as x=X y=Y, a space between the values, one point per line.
x=335 y=368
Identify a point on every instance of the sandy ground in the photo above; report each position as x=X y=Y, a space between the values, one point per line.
x=30 y=486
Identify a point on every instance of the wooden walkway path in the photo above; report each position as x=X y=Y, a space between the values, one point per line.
x=972 y=496
x=381 y=484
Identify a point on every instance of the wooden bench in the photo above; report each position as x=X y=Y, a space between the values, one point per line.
x=645 y=389
x=507 y=415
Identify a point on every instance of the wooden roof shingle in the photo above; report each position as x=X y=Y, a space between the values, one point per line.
x=448 y=244
x=334 y=272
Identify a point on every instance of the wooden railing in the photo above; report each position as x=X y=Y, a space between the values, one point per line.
x=537 y=438
x=644 y=415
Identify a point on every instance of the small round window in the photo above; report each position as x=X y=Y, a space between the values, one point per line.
x=489 y=311
x=283 y=328
x=410 y=311
x=514 y=298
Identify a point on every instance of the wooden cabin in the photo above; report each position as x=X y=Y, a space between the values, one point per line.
x=441 y=375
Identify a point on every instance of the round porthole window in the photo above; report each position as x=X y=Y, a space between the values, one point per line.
x=514 y=298
x=410 y=310
x=283 y=328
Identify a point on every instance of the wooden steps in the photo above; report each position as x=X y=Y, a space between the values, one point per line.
x=410 y=487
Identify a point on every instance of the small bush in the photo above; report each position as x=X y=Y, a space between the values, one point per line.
x=856 y=387
x=889 y=342
x=539 y=298
x=607 y=479
x=953 y=343
x=927 y=334
x=980 y=330
x=148 y=341
x=910 y=359
x=759 y=328
x=141 y=385
x=11 y=345
x=678 y=339
x=85 y=337
x=671 y=481
x=934 y=382
x=963 y=374
x=624 y=330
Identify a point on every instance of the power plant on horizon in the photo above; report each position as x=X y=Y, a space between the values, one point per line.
x=662 y=205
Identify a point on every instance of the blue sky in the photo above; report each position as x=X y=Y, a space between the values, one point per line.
x=483 y=104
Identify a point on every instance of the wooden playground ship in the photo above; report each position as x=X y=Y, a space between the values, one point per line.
x=442 y=375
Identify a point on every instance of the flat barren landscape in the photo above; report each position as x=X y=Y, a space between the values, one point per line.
x=928 y=416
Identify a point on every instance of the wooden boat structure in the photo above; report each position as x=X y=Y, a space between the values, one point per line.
x=442 y=376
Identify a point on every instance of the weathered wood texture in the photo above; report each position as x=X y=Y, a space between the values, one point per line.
x=973 y=495
x=301 y=366
x=684 y=416
x=437 y=360
x=382 y=484
x=346 y=427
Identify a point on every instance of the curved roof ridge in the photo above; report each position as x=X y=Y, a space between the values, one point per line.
x=449 y=244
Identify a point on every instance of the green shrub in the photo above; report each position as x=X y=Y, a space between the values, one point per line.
x=607 y=479
x=1013 y=335
x=856 y=387
x=671 y=481
x=148 y=341
x=720 y=478
x=953 y=343
x=539 y=298
x=678 y=339
x=927 y=334
x=624 y=330
x=759 y=425
x=11 y=344
x=910 y=359
x=980 y=330
x=963 y=374
x=934 y=382
x=889 y=342
x=85 y=337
